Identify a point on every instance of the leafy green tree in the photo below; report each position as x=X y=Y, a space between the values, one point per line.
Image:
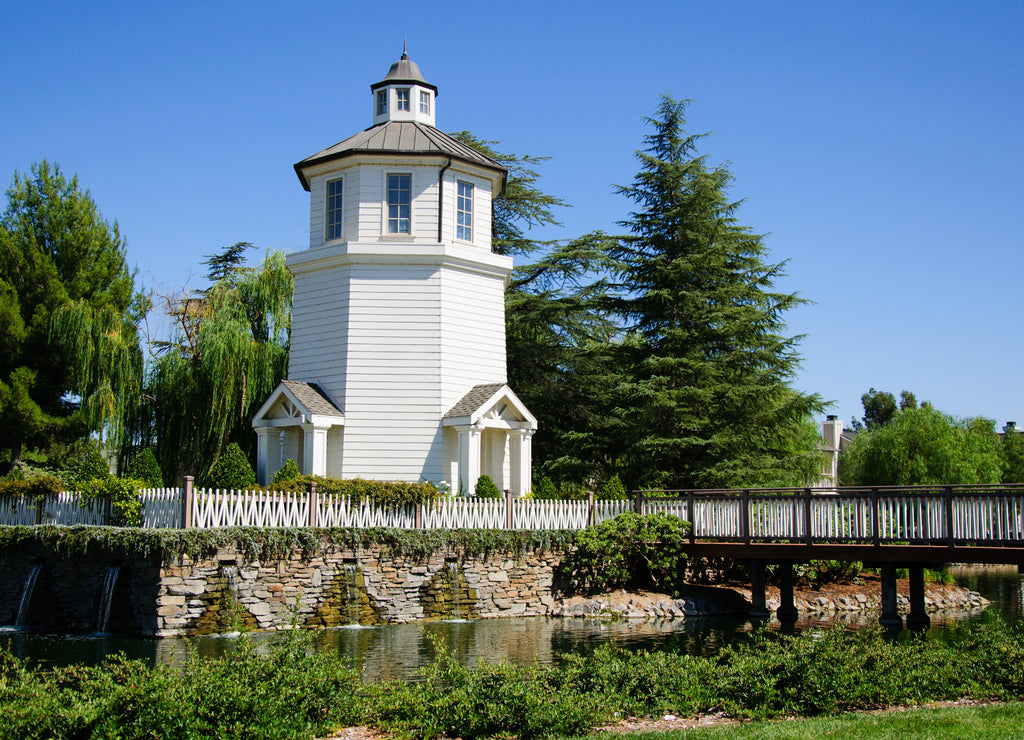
x=1011 y=453
x=923 y=446
x=705 y=400
x=486 y=488
x=879 y=408
x=228 y=352
x=70 y=361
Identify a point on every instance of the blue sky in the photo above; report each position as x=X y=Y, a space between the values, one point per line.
x=877 y=144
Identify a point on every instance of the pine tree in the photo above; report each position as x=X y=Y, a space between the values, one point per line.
x=70 y=360
x=705 y=400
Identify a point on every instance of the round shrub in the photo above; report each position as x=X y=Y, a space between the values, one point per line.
x=485 y=488
x=144 y=467
x=612 y=489
x=231 y=471
x=545 y=490
x=287 y=472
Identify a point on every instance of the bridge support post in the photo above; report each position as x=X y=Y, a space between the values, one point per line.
x=890 y=618
x=786 y=612
x=918 y=619
x=758 y=608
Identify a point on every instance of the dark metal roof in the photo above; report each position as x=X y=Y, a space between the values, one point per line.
x=404 y=71
x=400 y=138
x=473 y=400
x=312 y=397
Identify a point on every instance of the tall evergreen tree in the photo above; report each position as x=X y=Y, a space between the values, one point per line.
x=706 y=400
x=70 y=361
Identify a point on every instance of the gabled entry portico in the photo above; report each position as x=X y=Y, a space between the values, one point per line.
x=494 y=431
x=297 y=421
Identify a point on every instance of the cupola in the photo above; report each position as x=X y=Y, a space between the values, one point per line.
x=403 y=94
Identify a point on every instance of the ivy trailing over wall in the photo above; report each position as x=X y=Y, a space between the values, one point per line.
x=257 y=543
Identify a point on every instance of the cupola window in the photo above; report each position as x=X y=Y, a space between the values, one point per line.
x=334 y=209
x=399 y=200
x=402 y=99
x=424 y=102
x=382 y=102
x=464 y=212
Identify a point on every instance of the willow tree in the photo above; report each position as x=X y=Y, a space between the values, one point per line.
x=70 y=362
x=705 y=399
x=228 y=352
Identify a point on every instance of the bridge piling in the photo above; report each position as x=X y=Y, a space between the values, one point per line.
x=758 y=607
x=787 y=611
x=890 y=617
x=917 y=619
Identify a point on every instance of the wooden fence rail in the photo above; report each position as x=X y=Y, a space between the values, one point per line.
x=992 y=515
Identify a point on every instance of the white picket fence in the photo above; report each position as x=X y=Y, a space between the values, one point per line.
x=962 y=513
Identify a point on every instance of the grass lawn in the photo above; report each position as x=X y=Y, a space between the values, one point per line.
x=992 y=722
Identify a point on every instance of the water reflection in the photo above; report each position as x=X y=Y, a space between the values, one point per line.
x=402 y=651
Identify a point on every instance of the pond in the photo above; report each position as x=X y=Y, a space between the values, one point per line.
x=402 y=651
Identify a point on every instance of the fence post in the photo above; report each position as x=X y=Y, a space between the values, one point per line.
x=508 y=509
x=950 y=540
x=314 y=505
x=590 y=509
x=419 y=515
x=186 y=503
x=808 y=520
x=638 y=503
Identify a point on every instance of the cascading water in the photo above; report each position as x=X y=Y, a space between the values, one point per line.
x=351 y=578
x=106 y=596
x=455 y=588
x=26 y=595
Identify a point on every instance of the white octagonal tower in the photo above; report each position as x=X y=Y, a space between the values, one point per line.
x=397 y=362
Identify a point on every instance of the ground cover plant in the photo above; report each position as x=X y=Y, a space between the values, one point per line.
x=294 y=692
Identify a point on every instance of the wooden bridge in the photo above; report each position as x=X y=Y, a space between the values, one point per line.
x=886 y=527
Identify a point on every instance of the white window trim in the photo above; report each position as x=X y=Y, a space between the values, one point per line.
x=408 y=99
x=381 y=95
x=327 y=210
x=424 y=102
x=384 y=205
x=472 y=211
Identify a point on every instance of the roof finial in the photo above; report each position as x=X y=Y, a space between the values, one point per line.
x=405 y=43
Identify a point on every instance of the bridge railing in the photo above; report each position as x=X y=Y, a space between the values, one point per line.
x=951 y=515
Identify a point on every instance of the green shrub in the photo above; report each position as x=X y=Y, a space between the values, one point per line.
x=485 y=488
x=545 y=490
x=629 y=551
x=231 y=471
x=144 y=467
x=612 y=490
x=40 y=487
x=123 y=493
x=287 y=472
x=85 y=462
x=377 y=492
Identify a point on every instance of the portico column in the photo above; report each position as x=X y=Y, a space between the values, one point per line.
x=521 y=448
x=469 y=457
x=268 y=454
x=314 y=450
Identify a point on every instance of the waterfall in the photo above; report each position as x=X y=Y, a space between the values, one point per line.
x=26 y=595
x=455 y=589
x=106 y=596
x=351 y=578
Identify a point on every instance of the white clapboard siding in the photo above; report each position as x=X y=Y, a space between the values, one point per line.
x=161 y=507
x=248 y=509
